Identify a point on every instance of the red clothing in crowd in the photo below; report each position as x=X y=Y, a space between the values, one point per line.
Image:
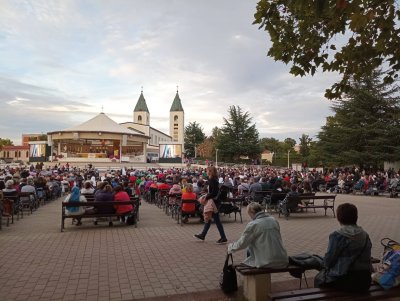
x=189 y=196
x=164 y=186
x=122 y=196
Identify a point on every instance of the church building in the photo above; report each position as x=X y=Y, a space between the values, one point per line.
x=141 y=123
x=101 y=139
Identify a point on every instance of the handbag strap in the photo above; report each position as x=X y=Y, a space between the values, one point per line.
x=227 y=259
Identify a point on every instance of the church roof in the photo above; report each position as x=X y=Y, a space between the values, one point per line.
x=176 y=105
x=101 y=123
x=141 y=105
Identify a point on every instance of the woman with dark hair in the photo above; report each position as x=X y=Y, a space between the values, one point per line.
x=347 y=263
x=213 y=189
x=105 y=195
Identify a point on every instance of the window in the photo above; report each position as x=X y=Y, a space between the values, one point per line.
x=139 y=119
x=16 y=154
x=176 y=118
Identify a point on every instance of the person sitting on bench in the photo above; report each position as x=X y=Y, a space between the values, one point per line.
x=75 y=196
x=347 y=263
x=263 y=240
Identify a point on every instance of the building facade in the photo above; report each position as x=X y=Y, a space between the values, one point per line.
x=142 y=123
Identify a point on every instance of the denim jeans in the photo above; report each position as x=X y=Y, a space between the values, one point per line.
x=219 y=226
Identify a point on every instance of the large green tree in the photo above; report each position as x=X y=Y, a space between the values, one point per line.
x=238 y=136
x=305 y=147
x=280 y=149
x=194 y=136
x=366 y=125
x=5 y=142
x=351 y=37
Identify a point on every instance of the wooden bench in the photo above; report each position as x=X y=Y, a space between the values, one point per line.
x=260 y=195
x=273 y=200
x=257 y=281
x=89 y=197
x=134 y=203
x=328 y=202
x=375 y=293
x=232 y=205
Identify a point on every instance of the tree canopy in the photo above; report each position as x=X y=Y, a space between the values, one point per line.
x=194 y=136
x=305 y=147
x=5 y=142
x=365 y=127
x=349 y=37
x=238 y=137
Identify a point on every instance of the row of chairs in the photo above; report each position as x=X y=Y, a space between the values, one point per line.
x=172 y=204
x=17 y=204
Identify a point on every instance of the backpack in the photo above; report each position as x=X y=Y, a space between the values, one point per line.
x=388 y=274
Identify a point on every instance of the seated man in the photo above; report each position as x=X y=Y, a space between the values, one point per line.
x=285 y=207
x=29 y=188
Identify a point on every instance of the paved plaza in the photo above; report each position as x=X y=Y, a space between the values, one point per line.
x=157 y=260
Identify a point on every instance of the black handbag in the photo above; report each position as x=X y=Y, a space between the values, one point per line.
x=228 y=280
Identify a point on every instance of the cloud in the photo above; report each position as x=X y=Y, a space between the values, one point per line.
x=65 y=60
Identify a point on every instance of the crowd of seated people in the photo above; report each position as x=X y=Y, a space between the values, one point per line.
x=51 y=182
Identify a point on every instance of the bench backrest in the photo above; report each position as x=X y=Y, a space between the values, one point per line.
x=97 y=204
x=89 y=196
x=276 y=197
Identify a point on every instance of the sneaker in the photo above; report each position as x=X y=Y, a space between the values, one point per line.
x=221 y=241
x=199 y=236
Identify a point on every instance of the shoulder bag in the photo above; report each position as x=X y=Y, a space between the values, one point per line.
x=228 y=280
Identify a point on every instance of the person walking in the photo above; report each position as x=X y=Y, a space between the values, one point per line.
x=213 y=189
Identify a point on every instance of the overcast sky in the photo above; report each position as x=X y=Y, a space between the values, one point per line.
x=61 y=61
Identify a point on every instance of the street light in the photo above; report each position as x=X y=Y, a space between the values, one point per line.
x=288 y=158
x=216 y=157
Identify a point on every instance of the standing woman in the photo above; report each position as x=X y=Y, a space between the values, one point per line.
x=213 y=188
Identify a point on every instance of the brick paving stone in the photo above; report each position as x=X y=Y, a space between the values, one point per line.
x=157 y=258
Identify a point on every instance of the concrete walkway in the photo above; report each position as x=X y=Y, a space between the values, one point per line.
x=155 y=260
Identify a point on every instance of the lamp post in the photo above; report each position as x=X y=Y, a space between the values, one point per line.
x=216 y=157
x=288 y=158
